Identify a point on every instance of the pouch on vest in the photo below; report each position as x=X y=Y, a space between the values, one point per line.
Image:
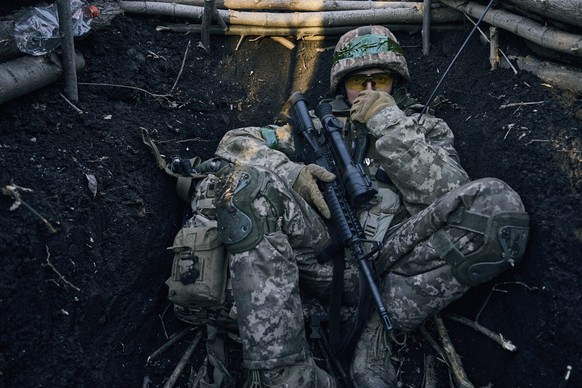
x=199 y=268
x=199 y=286
x=378 y=218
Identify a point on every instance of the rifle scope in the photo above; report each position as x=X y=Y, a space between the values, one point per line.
x=357 y=185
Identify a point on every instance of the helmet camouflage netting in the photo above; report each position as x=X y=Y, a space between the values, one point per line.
x=363 y=47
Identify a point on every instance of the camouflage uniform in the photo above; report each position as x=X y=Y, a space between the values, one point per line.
x=265 y=278
x=428 y=185
x=441 y=232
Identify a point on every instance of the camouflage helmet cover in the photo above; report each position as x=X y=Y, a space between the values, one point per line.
x=368 y=46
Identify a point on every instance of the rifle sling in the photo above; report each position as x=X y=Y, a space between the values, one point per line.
x=341 y=342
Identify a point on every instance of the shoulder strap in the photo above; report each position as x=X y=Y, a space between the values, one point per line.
x=147 y=140
x=184 y=182
x=342 y=341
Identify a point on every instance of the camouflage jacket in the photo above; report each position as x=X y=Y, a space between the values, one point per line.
x=418 y=157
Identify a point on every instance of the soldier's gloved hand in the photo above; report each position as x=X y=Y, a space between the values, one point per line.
x=306 y=186
x=368 y=103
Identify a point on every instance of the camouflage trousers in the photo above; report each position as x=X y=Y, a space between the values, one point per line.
x=434 y=257
x=418 y=279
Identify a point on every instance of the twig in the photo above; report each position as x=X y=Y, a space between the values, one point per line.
x=284 y=42
x=165 y=97
x=192 y=378
x=61 y=277
x=430 y=379
x=451 y=354
x=432 y=342
x=494 y=288
x=515 y=283
x=12 y=190
x=240 y=40
x=509 y=127
x=189 y=140
x=181 y=68
x=521 y=104
x=484 y=304
x=217 y=362
x=162 y=320
x=488 y=41
x=182 y=363
x=194 y=381
x=147 y=382
x=564 y=382
x=196 y=139
x=125 y=87
x=155 y=56
x=493 y=47
x=505 y=343
x=538 y=141
x=71 y=104
x=151 y=358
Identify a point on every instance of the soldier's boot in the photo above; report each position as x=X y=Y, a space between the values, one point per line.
x=302 y=375
x=371 y=366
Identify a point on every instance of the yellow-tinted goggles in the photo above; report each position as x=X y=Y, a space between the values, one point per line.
x=378 y=80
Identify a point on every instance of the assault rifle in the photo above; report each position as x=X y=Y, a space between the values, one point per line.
x=351 y=190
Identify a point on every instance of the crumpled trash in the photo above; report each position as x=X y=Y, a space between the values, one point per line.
x=37 y=31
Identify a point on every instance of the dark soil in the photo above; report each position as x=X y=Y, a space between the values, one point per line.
x=87 y=305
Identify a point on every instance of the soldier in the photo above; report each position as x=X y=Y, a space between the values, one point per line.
x=441 y=233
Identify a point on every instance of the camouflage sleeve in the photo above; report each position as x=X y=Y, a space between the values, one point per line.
x=258 y=146
x=419 y=158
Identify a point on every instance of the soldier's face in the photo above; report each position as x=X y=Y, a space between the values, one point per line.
x=367 y=79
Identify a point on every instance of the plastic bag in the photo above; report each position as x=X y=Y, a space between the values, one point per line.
x=37 y=31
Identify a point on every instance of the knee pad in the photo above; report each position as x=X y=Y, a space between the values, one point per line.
x=242 y=191
x=505 y=236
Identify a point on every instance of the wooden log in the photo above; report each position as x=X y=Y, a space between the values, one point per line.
x=27 y=73
x=563 y=77
x=296 y=19
x=521 y=26
x=567 y=11
x=310 y=5
x=306 y=33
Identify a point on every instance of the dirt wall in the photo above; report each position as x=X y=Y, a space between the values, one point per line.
x=85 y=306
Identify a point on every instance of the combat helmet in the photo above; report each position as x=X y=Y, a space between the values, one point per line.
x=367 y=46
